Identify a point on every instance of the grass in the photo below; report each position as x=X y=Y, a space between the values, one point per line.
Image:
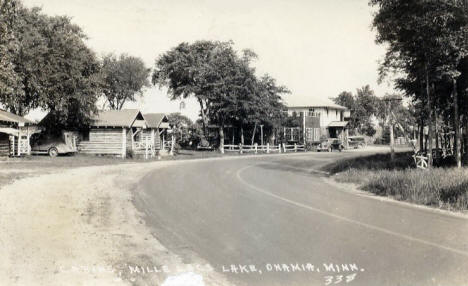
x=445 y=188
x=403 y=160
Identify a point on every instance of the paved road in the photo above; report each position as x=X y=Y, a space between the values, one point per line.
x=279 y=215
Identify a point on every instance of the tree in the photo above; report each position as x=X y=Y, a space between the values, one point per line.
x=224 y=84
x=124 y=78
x=362 y=106
x=426 y=41
x=345 y=99
x=184 y=71
x=183 y=129
x=271 y=111
x=57 y=71
x=9 y=80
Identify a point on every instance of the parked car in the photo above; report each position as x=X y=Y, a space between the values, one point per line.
x=355 y=142
x=53 y=145
x=330 y=144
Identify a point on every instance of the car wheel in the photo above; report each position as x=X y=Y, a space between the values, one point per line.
x=53 y=152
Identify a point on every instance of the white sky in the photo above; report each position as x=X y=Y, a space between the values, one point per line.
x=317 y=48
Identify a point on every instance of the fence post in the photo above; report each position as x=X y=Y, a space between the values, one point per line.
x=256 y=148
x=268 y=148
x=284 y=148
x=295 y=147
x=172 y=145
x=279 y=148
x=240 y=149
x=146 y=148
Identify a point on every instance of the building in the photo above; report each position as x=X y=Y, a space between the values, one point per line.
x=157 y=127
x=124 y=132
x=321 y=120
x=15 y=134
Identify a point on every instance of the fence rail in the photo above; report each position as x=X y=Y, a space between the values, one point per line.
x=293 y=148
x=280 y=148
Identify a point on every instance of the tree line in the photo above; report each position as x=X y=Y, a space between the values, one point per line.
x=427 y=57
x=45 y=63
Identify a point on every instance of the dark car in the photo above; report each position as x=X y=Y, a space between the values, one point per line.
x=53 y=145
x=330 y=144
x=355 y=142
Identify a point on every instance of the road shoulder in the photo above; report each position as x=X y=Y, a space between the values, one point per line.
x=79 y=227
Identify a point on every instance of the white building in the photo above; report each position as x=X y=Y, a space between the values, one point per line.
x=330 y=118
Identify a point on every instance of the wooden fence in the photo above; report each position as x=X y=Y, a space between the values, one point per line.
x=280 y=148
x=293 y=148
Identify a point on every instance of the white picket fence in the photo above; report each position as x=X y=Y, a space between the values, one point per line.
x=280 y=148
x=293 y=148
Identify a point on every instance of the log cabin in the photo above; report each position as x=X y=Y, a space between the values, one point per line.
x=124 y=133
x=15 y=134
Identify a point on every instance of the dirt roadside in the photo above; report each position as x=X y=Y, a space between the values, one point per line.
x=79 y=227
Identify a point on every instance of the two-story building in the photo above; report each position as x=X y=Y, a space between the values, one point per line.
x=321 y=120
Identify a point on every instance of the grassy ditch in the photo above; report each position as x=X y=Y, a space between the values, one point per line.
x=445 y=188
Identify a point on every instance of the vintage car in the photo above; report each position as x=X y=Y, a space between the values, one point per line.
x=330 y=144
x=53 y=145
x=355 y=142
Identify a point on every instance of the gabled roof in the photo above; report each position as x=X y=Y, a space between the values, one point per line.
x=116 y=118
x=13 y=118
x=154 y=120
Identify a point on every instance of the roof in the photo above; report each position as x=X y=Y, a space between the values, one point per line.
x=315 y=103
x=10 y=131
x=338 y=124
x=115 y=118
x=13 y=118
x=153 y=120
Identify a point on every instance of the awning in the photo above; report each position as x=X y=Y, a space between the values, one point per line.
x=341 y=124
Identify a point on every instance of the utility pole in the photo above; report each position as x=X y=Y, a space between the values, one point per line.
x=303 y=127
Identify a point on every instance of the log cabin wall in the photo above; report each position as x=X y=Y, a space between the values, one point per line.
x=105 y=141
x=129 y=138
x=4 y=145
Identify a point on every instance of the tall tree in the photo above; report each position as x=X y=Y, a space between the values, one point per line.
x=57 y=71
x=425 y=41
x=363 y=106
x=9 y=80
x=222 y=81
x=124 y=78
x=185 y=69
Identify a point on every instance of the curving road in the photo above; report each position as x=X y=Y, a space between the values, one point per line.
x=275 y=221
